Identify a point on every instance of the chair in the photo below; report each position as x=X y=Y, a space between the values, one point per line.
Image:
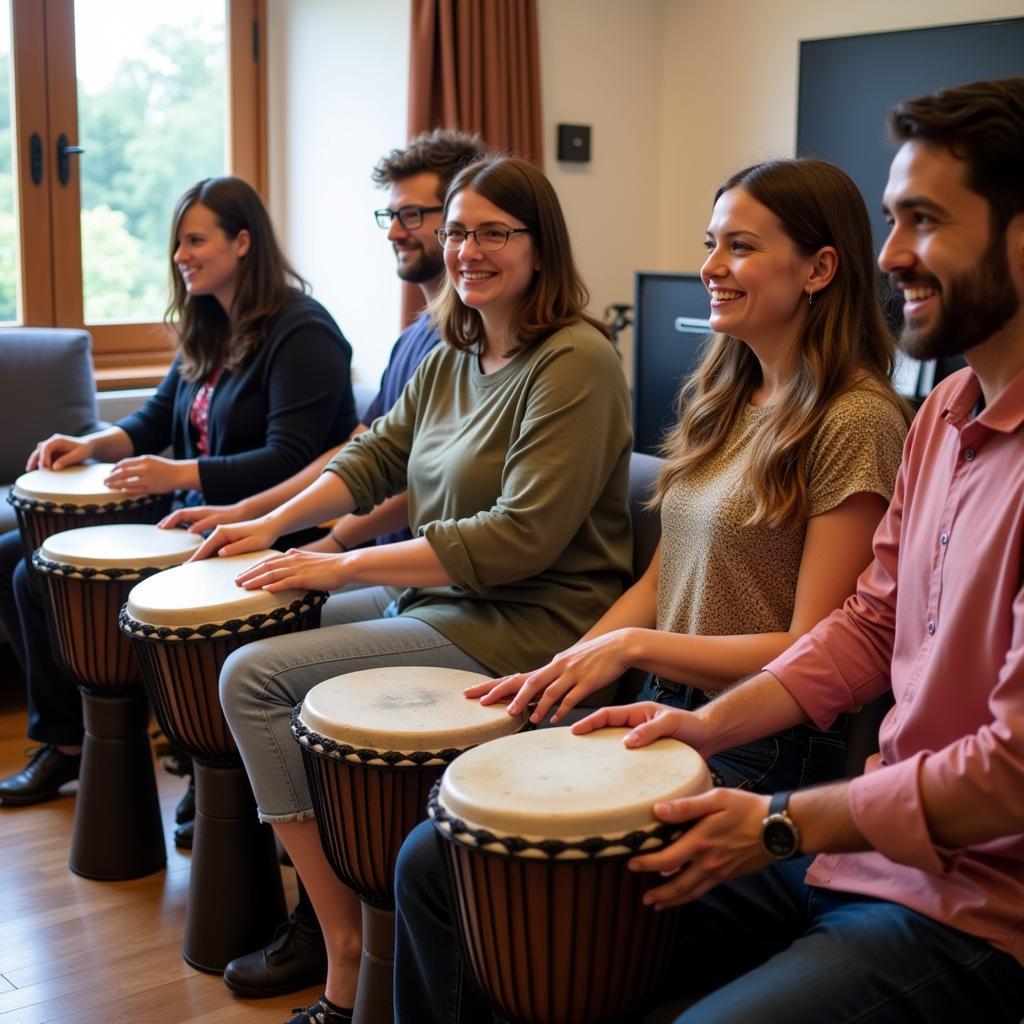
x=46 y=386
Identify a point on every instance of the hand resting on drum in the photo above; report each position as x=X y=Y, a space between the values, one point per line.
x=152 y=474
x=296 y=570
x=576 y=673
x=58 y=452
x=725 y=840
x=235 y=539
x=201 y=518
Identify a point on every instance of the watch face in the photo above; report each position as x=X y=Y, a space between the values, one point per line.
x=778 y=838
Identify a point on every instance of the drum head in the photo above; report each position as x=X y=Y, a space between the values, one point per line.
x=552 y=784
x=76 y=485
x=404 y=709
x=204 y=593
x=125 y=546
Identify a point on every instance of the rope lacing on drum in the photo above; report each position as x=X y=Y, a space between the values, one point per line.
x=35 y=504
x=633 y=842
x=147 y=631
x=343 y=751
x=46 y=565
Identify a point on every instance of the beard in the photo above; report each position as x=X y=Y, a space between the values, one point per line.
x=972 y=308
x=424 y=266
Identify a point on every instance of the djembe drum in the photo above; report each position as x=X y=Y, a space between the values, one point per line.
x=49 y=501
x=536 y=831
x=87 y=575
x=183 y=623
x=374 y=743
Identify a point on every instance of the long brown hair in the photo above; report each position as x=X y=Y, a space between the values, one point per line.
x=558 y=296
x=842 y=341
x=207 y=338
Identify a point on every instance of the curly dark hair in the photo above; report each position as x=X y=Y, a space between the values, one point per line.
x=443 y=151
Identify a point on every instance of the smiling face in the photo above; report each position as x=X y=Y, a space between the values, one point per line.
x=419 y=256
x=492 y=283
x=943 y=255
x=755 y=275
x=205 y=257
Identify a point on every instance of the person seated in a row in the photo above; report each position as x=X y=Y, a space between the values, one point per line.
x=913 y=911
x=239 y=409
x=513 y=441
x=779 y=469
x=417 y=176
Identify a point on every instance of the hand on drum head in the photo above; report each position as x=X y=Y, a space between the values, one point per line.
x=237 y=539
x=649 y=721
x=201 y=518
x=296 y=570
x=723 y=843
x=141 y=475
x=58 y=452
x=569 y=677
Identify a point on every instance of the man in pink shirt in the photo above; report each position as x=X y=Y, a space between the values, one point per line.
x=914 y=907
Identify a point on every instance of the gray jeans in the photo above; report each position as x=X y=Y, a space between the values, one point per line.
x=262 y=682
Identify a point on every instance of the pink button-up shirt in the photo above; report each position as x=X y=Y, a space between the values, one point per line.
x=939 y=616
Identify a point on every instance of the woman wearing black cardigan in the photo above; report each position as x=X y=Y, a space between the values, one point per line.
x=260 y=385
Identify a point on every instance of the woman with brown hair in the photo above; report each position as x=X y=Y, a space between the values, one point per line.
x=513 y=440
x=259 y=386
x=781 y=465
x=780 y=468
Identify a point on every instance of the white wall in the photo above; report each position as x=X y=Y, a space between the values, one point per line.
x=679 y=94
x=729 y=90
x=338 y=78
x=600 y=65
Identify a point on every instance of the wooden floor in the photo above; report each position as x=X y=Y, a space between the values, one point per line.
x=84 y=952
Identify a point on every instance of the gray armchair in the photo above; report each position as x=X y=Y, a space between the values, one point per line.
x=46 y=385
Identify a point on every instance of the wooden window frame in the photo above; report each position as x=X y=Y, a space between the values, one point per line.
x=45 y=102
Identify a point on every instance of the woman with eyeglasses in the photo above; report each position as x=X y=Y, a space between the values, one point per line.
x=513 y=440
x=780 y=468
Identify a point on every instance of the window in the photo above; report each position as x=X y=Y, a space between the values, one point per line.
x=118 y=107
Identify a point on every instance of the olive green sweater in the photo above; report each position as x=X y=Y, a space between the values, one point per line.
x=519 y=481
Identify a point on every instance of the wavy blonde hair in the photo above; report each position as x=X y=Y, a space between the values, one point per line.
x=843 y=341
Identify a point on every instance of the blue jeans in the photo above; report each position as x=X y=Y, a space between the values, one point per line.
x=774 y=949
x=790 y=759
x=779 y=951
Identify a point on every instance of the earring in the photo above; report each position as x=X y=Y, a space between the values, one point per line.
x=810 y=298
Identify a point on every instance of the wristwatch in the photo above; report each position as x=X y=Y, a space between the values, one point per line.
x=780 y=838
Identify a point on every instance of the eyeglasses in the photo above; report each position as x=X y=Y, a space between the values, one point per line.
x=490 y=239
x=410 y=217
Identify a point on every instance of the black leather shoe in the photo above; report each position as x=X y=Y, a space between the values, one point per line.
x=184 y=834
x=41 y=778
x=186 y=809
x=295 y=960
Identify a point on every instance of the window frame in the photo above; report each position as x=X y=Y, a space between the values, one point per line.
x=45 y=102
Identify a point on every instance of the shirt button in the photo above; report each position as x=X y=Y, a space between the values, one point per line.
x=969 y=454
x=944 y=538
x=931 y=627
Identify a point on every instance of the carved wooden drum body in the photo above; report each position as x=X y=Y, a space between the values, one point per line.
x=537 y=829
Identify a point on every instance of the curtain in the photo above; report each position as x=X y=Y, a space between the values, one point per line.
x=474 y=65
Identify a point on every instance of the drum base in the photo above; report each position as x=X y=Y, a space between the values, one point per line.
x=235 y=898
x=374 y=996
x=117 y=832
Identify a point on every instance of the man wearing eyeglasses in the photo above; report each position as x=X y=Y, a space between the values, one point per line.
x=417 y=178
